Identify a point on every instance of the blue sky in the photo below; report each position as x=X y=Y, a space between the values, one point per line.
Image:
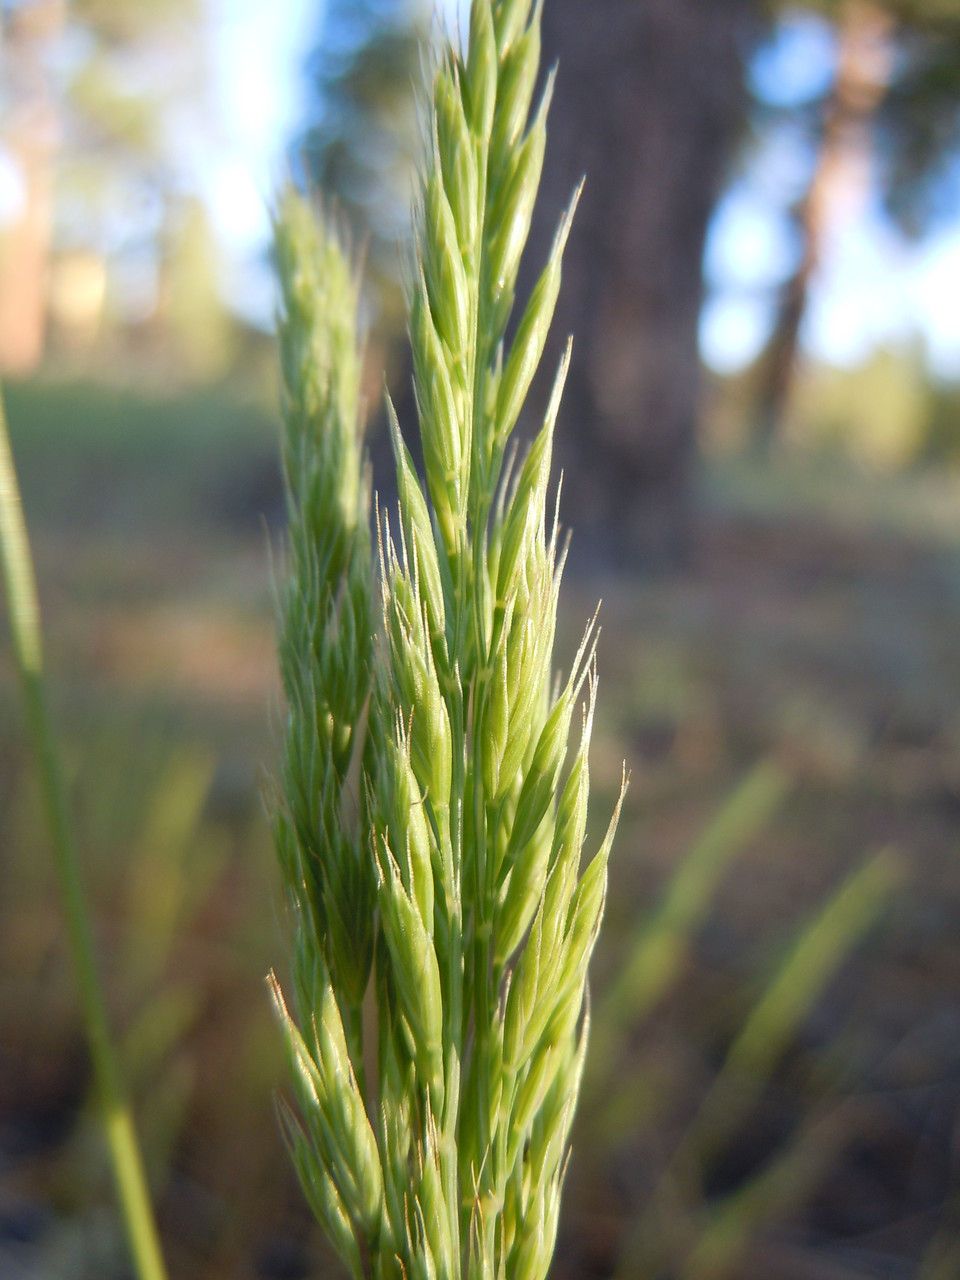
x=258 y=51
x=874 y=287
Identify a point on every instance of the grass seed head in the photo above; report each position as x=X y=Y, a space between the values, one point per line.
x=433 y=813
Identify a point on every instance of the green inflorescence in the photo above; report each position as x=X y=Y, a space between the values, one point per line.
x=432 y=808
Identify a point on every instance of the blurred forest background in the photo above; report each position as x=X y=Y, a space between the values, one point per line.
x=761 y=442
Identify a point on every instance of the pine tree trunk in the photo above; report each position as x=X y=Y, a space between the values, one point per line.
x=649 y=105
x=864 y=54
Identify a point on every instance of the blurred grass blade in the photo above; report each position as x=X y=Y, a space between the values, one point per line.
x=662 y=943
x=822 y=946
x=24 y=615
x=172 y=867
x=819 y=951
x=776 y=1189
x=942 y=1258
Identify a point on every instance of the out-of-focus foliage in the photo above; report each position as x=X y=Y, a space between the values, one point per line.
x=193 y=306
x=120 y=21
x=129 y=252
x=877 y=413
x=886 y=414
x=113 y=112
x=114 y=99
x=881 y=129
x=360 y=149
x=919 y=117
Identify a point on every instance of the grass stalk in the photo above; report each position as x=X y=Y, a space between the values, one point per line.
x=24 y=614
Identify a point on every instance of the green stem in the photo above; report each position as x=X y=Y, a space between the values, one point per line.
x=21 y=593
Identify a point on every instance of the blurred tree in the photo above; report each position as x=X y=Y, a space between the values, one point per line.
x=863 y=65
x=358 y=151
x=894 y=98
x=126 y=100
x=28 y=139
x=919 y=119
x=92 y=94
x=650 y=104
x=360 y=146
x=190 y=305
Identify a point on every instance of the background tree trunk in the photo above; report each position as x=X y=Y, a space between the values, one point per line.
x=864 y=65
x=29 y=136
x=650 y=102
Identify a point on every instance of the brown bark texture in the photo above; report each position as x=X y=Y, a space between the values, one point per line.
x=649 y=105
